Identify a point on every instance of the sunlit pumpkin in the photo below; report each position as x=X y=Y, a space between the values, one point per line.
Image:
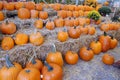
x=10 y=6
x=113 y=43
x=1 y=16
x=50 y=25
x=38 y=24
x=23 y=13
x=43 y=15
x=34 y=13
x=30 y=5
x=19 y=5
x=59 y=22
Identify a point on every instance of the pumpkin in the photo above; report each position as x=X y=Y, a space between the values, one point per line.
x=86 y=13
x=8 y=27
x=75 y=22
x=1 y=5
x=91 y=30
x=29 y=74
x=69 y=22
x=69 y=13
x=52 y=71
x=38 y=7
x=7 y=43
x=81 y=7
x=87 y=21
x=81 y=13
x=59 y=22
x=34 y=14
x=82 y=21
x=88 y=8
x=43 y=15
x=105 y=27
x=1 y=16
x=106 y=3
x=23 y=13
x=56 y=6
x=4 y=4
x=98 y=22
x=96 y=47
x=113 y=43
x=74 y=32
x=35 y=63
x=10 y=71
x=62 y=35
x=36 y=38
x=21 y=39
x=38 y=24
x=86 y=54
x=64 y=7
x=71 y=7
x=62 y=13
x=105 y=41
x=50 y=25
x=75 y=14
x=10 y=6
x=108 y=59
x=19 y=5
x=30 y=5
x=77 y=8
x=55 y=57
x=71 y=57
x=84 y=29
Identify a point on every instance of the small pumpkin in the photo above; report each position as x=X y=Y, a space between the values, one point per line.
x=59 y=22
x=21 y=39
x=19 y=5
x=98 y=22
x=82 y=21
x=108 y=59
x=69 y=13
x=36 y=38
x=77 y=8
x=87 y=21
x=39 y=7
x=75 y=22
x=62 y=13
x=11 y=69
x=52 y=71
x=43 y=15
x=113 y=42
x=62 y=35
x=8 y=27
x=75 y=14
x=105 y=41
x=29 y=74
x=71 y=7
x=81 y=13
x=1 y=16
x=84 y=29
x=30 y=5
x=56 y=6
x=34 y=13
x=105 y=27
x=38 y=24
x=69 y=22
x=91 y=30
x=96 y=47
x=74 y=32
x=50 y=25
x=10 y=6
x=71 y=57
x=55 y=57
x=7 y=43
x=24 y=13
x=86 y=54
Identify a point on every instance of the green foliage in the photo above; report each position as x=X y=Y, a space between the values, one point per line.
x=104 y=10
x=94 y=15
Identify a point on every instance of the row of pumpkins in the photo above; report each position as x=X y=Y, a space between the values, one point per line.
x=52 y=67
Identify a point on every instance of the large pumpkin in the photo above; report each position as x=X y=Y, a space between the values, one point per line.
x=55 y=57
x=10 y=71
x=52 y=71
x=23 y=13
x=29 y=74
x=8 y=27
x=7 y=43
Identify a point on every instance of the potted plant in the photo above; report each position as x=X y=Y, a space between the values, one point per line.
x=104 y=10
x=94 y=16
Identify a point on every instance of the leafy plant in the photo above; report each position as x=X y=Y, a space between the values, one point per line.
x=104 y=10
x=94 y=15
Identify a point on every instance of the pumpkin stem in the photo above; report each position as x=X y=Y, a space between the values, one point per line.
x=105 y=34
x=27 y=71
x=53 y=48
x=48 y=66
x=8 y=62
x=7 y=22
x=75 y=27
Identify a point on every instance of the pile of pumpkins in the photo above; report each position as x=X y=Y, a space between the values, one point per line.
x=52 y=67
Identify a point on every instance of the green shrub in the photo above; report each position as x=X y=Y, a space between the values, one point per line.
x=104 y=10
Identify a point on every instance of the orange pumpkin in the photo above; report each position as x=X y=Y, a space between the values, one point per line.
x=52 y=71
x=10 y=6
x=75 y=14
x=12 y=70
x=62 y=13
x=21 y=39
x=43 y=15
x=98 y=22
x=71 y=7
x=86 y=54
x=96 y=47
x=30 y=5
x=36 y=38
x=34 y=14
x=82 y=21
x=23 y=13
x=86 y=13
x=8 y=27
x=71 y=57
x=69 y=13
x=1 y=16
x=91 y=30
x=29 y=74
x=19 y=5
x=87 y=21
x=38 y=7
x=105 y=41
x=35 y=63
x=75 y=22
x=55 y=57
x=59 y=22
x=105 y=27
x=81 y=13
x=69 y=22
x=113 y=43
x=1 y=5
x=50 y=25
x=77 y=8
x=7 y=43
x=81 y=7
x=74 y=32
x=84 y=30
x=62 y=36
x=38 y=24
x=108 y=59
x=56 y=6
